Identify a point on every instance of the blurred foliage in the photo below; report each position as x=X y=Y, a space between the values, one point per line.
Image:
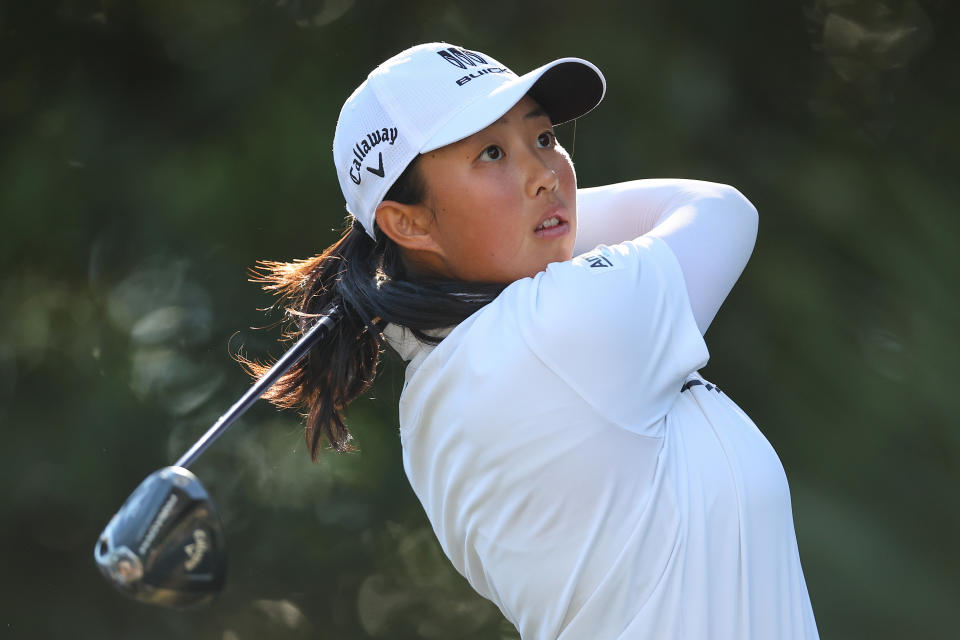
x=151 y=151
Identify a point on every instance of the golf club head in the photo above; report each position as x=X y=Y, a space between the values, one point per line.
x=165 y=544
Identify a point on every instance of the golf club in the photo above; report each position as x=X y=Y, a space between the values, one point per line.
x=165 y=545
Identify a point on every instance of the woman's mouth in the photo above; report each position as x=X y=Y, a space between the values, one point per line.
x=552 y=227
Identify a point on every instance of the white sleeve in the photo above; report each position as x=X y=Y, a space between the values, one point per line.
x=615 y=324
x=710 y=227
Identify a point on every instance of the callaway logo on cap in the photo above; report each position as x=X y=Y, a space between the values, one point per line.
x=432 y=95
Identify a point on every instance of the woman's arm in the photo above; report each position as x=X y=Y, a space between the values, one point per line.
x=711 y=229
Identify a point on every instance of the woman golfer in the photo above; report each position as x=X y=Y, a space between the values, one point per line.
x=575 y=467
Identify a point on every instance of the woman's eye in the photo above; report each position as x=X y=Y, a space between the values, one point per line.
x=493 y=152
x=545 y=140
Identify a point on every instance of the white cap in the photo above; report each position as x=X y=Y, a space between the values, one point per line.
x=432 y=95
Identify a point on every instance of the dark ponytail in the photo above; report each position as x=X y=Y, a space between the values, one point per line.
x=367 y=280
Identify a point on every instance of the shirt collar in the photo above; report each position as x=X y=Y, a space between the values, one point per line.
x=412 y=350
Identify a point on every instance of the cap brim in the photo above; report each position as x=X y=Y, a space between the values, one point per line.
x=566 y=89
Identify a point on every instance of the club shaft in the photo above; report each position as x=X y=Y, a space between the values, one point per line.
x=316 y=333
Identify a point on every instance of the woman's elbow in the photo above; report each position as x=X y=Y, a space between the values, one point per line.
x=742 y=212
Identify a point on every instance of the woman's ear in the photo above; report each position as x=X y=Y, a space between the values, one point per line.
x=409 y=225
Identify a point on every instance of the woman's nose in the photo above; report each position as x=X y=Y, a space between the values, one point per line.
x=542 y=177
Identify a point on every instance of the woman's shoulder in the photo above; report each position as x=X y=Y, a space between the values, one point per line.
x=609 y=301
x=601 y=286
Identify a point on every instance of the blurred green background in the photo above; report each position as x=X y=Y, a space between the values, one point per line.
x=151 y=151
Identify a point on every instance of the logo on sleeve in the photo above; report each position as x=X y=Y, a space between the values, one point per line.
x=599 y=262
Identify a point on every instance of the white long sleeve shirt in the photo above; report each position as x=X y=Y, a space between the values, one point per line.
x=576 y=468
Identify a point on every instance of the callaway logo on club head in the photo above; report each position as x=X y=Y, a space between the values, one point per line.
x=365 y=146
x=196 y=549
x=466 y=59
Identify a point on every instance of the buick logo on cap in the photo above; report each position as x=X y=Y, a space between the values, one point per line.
x=467 y=60
x=462 y=58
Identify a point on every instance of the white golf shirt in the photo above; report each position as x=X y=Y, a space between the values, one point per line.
x=581 y=475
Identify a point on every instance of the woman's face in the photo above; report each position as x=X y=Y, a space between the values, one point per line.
x=503 y=200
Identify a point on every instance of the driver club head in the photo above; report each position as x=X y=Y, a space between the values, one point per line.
x=165 y=544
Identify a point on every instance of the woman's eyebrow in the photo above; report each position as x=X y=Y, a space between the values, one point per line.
x=537 y=112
